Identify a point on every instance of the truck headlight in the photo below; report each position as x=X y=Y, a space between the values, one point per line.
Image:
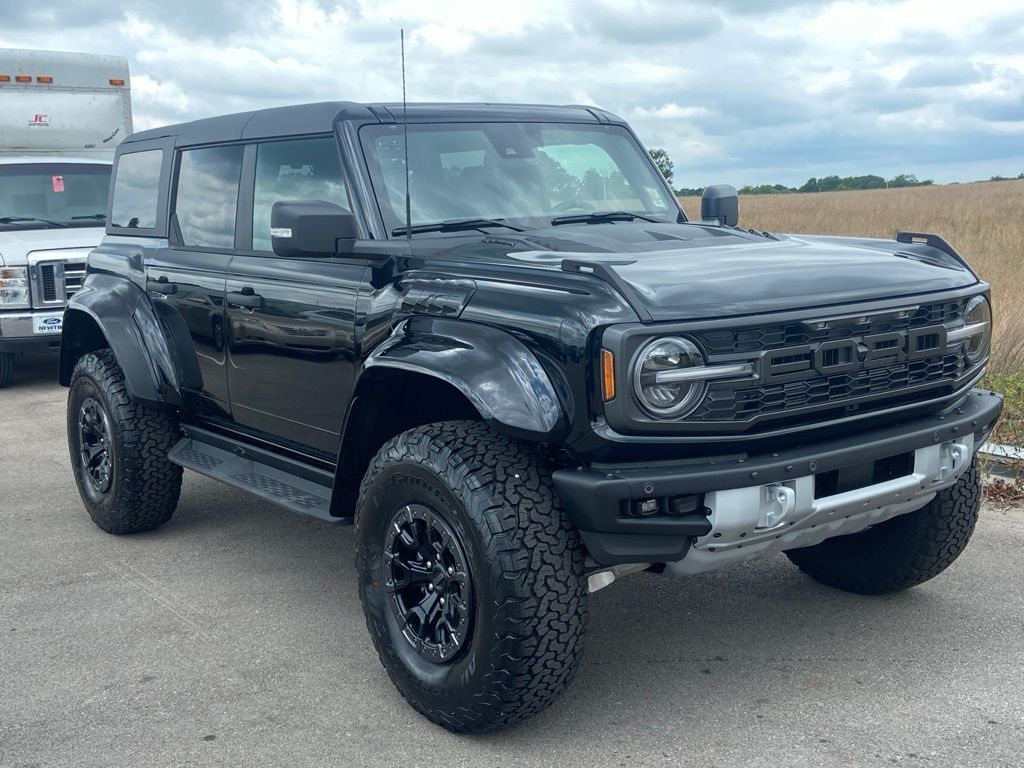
x=13 y=287
x=978 y=319
x=661 y=386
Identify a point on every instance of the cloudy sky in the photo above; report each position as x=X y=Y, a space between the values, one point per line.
x=738 y=91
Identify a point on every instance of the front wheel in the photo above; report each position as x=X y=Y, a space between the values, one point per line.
x=902 y=552
x=119 y=450
x=470 y=575
x=6 y=369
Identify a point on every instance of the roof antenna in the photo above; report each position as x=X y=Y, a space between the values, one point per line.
x=405 y=141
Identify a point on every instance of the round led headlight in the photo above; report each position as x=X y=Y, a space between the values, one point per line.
x=659 y=379
x=978 y=313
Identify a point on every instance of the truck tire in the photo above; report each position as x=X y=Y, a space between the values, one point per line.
x=457 y=511
x=6 y=369
x=119 y=450
x=902 y=552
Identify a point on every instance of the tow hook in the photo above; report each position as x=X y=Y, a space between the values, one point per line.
x=777 y=501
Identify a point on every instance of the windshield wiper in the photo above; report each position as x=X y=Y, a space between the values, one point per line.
x=600 y=216
x=95 y=216
x=456 y=225
x=19 y=219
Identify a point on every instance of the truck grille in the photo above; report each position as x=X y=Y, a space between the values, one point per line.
x=778 y=335
x=57 y=281
x=859 y=391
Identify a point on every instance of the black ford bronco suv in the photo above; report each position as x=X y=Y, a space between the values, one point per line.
x=526 y=378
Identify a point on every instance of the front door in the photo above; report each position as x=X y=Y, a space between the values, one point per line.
x=291 y=322
x=187 y=279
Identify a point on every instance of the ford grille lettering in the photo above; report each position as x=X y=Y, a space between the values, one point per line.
x=829 y=358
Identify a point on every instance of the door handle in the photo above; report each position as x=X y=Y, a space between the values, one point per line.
x=162 y=286
x=247 y=298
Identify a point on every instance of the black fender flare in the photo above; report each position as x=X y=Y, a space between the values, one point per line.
x=154 y=372
x=495 y=371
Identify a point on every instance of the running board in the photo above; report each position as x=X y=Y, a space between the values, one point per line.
x=279 y=480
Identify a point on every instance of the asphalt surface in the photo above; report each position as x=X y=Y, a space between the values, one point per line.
x=233 y=636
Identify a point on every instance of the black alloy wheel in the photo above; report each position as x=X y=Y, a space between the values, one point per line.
x=429 y=583
x=94 y=447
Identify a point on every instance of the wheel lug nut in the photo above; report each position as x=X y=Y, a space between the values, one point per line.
x=430 y=587
x=450 y=570
x=442 y=601
x=429 y=564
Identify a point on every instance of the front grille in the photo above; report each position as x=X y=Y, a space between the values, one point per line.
x=57 y=281
x=48 y=280
x=777 y=335
x=859 y=391
x=74 y=274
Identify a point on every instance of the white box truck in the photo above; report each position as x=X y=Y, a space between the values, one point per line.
x=61 y=117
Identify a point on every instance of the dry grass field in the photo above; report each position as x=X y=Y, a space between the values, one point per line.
x=984 y=221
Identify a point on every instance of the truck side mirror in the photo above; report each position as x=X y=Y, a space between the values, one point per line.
x=720 y=202
x=310 y=228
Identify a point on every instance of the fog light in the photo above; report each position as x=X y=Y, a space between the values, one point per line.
x=648 y=507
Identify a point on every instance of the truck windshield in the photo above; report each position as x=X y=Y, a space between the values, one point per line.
x=47 y=195
x=526 y=174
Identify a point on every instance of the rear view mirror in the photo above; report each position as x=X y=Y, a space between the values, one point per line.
x=720 y=203
x=310 y=228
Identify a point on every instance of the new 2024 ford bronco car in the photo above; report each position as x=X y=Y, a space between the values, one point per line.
x=521 y=376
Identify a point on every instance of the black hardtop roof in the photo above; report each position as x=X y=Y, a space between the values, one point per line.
x=320 y=117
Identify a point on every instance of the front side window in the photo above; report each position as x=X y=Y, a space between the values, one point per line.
x=207 y=196
x=136 y=188
x=302 y=169
x=519 y=172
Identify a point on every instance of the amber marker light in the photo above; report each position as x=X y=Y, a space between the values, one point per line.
x=5 y=78
x=45 y=79
x=607 y=375
x=116 y=81
x=23 y=78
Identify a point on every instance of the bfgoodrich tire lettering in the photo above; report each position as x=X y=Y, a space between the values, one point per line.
x=526 y=574
x=902 y=552
x=140 y=489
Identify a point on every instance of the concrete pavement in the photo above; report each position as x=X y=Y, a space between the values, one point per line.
x=233 y=636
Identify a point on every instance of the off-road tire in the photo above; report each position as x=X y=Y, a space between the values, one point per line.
x=526 y=562
x=144 y=486
x=6 y=369
x=902 y=552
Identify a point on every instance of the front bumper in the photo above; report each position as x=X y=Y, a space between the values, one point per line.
x=17 y=331
x=751 y=505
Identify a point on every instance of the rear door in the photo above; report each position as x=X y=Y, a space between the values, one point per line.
x=291 y=322
x=187 y=279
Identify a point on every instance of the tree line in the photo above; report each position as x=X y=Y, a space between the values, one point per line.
x=831 y=183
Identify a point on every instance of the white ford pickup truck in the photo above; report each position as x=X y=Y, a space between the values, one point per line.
x=61 y=117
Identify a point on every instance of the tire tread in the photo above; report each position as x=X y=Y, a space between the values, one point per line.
x=539 y=557
x=148 y=491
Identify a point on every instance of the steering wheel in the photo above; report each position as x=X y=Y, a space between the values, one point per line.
x=572 y=205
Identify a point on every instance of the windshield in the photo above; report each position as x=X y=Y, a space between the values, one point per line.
x=48 y=195
x=522 y=173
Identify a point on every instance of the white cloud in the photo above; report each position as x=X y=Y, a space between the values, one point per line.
x=738 y=91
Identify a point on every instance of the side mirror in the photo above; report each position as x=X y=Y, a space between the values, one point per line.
x=309 y=228
x=720 y=203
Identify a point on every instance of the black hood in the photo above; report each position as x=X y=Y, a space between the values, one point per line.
x=684 y=271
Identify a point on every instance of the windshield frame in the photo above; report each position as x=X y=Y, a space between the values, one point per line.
x=56 y=168
x=390 y=220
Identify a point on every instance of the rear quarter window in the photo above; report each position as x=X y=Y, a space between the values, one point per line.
x=207 y=196
x=136 y=189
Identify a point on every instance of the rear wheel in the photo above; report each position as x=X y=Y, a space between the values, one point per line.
x=470 y=576
x=119 y=450
x=6 y=369
x=902 y=552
